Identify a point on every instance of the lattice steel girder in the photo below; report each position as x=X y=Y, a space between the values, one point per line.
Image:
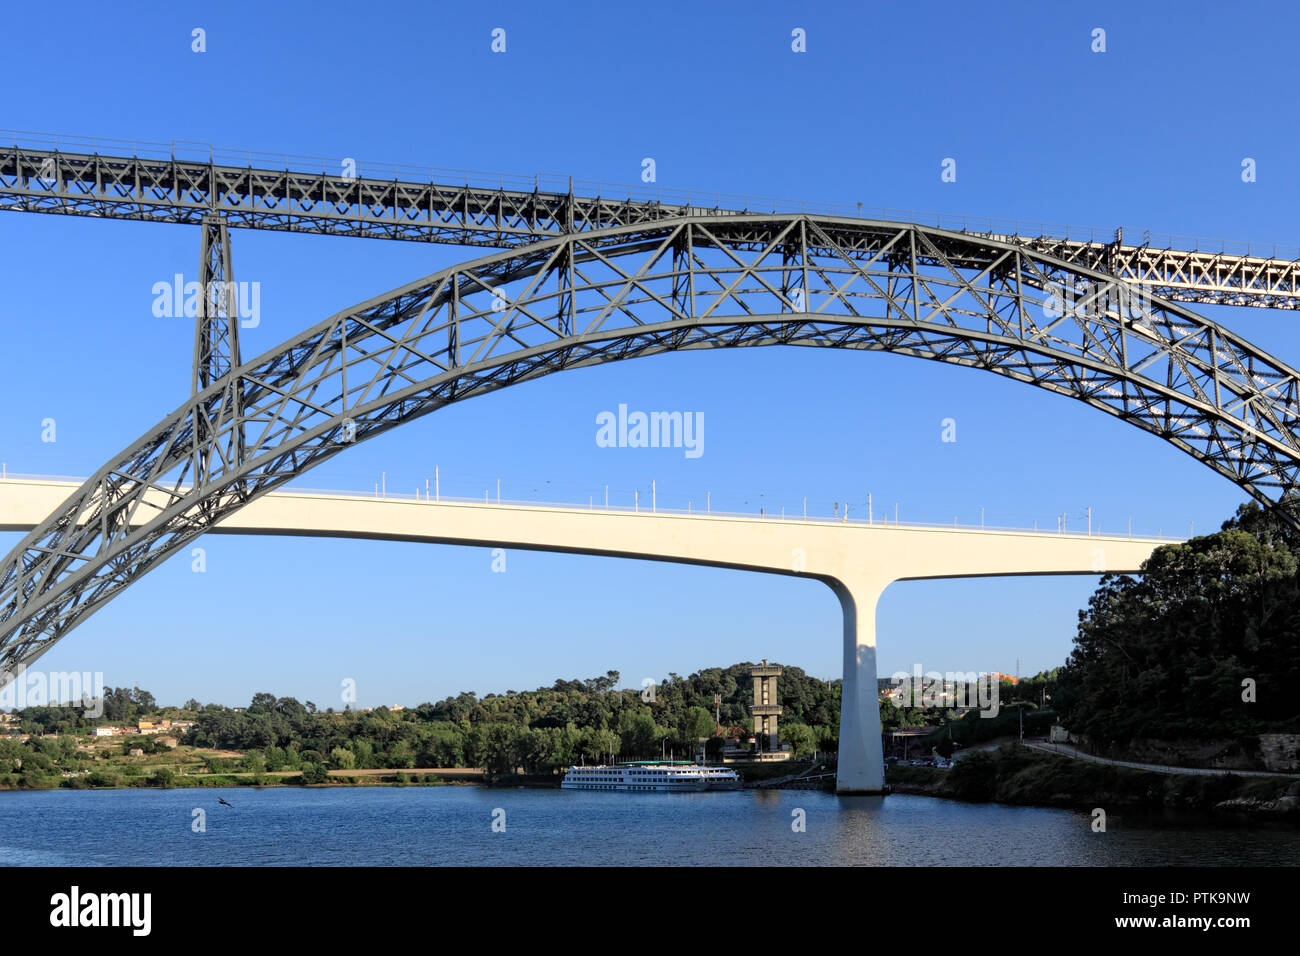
x=216 y=350
x=216 y=325
x=172 y=190
x=1186 y=275
x=592 y=298
x=161 y=190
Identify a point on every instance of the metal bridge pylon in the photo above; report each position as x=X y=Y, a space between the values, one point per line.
x=216 y=351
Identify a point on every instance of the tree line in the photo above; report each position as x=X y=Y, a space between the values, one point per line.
x=1205 y=643
x=542 y=731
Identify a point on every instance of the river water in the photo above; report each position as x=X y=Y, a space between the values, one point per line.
x=454 y=825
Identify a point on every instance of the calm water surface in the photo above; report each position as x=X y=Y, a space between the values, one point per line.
x=453 y=826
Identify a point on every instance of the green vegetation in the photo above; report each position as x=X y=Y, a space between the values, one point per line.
x=541 y=731
x=1167 y=655
x=282 y=740
x=1016 y=775
x=972 y=728
x=119 y=706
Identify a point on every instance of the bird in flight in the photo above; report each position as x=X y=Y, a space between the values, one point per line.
x=223 y=800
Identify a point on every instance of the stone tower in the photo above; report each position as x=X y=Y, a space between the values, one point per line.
x=766 y=709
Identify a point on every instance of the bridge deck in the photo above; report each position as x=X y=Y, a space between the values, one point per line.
x=519 y=211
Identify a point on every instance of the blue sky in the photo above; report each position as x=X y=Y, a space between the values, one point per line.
x=1149 y=134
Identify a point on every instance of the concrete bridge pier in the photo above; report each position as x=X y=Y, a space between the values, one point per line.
x=861 y=758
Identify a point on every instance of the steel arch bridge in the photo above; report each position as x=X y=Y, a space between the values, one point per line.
x=602 y=296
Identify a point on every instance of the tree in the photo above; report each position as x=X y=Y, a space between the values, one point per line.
x=342 y=759
x=364 y=751
x=118 y=704
x=314 y=773
x=599 y=744
x=800 y=737
x=277 y=759
x=638 y=734
x=163 y=777
x=1166 y=655
x=696 y=723
x=399 y=755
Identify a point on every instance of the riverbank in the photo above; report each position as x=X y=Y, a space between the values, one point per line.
x=1016 y=775
x=107 y=780
x=134 y=776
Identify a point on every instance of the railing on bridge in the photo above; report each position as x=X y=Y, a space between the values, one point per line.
x=592 y=504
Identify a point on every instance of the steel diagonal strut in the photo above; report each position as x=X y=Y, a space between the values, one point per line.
x=596 y=297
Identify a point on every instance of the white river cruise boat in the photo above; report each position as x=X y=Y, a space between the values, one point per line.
x=660 y=775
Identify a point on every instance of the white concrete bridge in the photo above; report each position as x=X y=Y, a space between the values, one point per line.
x=856 y=560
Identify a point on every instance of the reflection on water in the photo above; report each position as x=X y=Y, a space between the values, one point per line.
x=453 y=826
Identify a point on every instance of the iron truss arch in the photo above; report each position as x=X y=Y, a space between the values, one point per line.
x=596 y=297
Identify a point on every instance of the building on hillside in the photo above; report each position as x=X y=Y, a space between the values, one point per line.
x=737 y=744
x=105 y=732
x=766 y=710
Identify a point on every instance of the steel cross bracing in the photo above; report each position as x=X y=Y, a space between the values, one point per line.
x=591 y=298
x=216 y=334
x=216 y=352
x=172 y=190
